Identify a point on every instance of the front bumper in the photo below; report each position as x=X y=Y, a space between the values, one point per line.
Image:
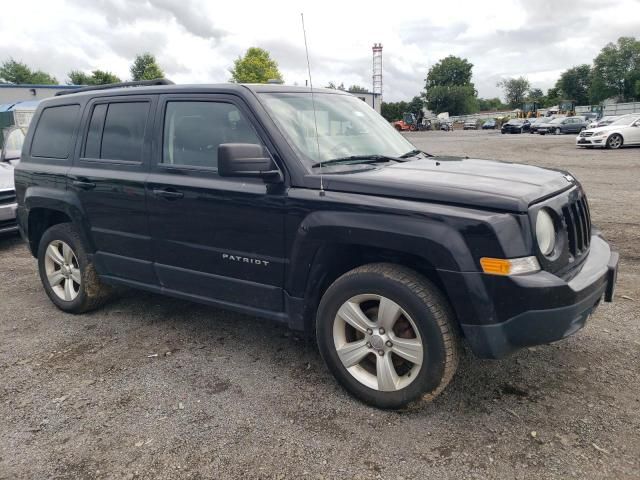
x=8 y=222
x=541 y=308
x=591 y=141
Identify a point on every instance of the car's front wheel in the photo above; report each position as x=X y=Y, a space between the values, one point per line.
x=387 y=335
x=615 y=141
x=558 y=131
x=67 y=274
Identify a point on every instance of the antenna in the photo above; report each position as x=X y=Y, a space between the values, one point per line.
x=313 y=104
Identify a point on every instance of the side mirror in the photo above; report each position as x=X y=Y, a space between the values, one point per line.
x=245 y=160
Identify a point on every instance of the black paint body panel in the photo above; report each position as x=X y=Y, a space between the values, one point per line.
x=266 y=248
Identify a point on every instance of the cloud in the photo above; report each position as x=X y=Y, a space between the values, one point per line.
x=196 y=41
x=190 y=14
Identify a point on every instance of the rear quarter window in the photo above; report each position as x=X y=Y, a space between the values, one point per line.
x=53 y=136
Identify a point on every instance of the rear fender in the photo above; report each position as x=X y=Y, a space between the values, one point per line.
x=64 y=201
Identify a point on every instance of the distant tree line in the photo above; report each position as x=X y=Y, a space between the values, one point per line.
x=615 y=73
x=255 y=66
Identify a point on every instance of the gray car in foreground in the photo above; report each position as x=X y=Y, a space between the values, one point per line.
x=9 y=157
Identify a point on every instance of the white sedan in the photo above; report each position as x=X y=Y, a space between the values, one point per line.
x=624 y=131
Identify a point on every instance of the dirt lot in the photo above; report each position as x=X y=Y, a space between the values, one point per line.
x=151 y=387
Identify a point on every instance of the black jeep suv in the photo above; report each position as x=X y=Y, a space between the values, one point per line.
x=310 y=210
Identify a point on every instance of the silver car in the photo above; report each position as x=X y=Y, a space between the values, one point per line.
x=12 y=146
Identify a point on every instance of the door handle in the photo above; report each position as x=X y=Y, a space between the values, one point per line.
x=168 y=194
x=83 y=184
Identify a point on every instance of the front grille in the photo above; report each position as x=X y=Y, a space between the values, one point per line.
x=7 y=196
x=586 y=134
x=578 y=221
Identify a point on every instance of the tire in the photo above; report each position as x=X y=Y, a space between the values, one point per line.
x=424 y=318
x=615 y=141
x=78 y=289
x=558 y=131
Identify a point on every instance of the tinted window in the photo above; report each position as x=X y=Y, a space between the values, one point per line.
x=123 y=134
x=54 y=132
x=194 y=130
x=94 y=136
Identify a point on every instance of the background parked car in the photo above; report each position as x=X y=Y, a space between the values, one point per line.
x=536 y=122
x=489 y=124
x=470 y=125
x=604 y=121
x=516 y=125
x=9 y=157
x=624 y=131
x=561 y=125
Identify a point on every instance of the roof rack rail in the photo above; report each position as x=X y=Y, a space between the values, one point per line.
x=107 y=86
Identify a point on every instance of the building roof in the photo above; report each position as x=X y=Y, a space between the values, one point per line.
x=28 y=105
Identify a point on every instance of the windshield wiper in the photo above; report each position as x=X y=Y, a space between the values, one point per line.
x=358 y=159
x=414 y=153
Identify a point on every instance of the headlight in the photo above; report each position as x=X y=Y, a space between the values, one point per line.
x=545 y=232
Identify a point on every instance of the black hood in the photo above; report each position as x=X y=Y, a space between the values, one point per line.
x=473 y=182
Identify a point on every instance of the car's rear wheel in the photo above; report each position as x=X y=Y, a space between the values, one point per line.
x=386 y=333
x=67 y=274
x=615 y=141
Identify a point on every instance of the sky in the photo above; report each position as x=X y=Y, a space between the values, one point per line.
x=196 y=41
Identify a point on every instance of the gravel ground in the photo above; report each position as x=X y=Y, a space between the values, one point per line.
x=151 y=387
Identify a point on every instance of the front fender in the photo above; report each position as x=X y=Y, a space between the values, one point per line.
x=437 y=242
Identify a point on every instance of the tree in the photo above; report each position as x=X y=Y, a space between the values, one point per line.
x=448 y=87
x=489 y=104
x=145 y=67
x=332 y=85
x=20 y=73
x=616 y=70
x=574 y=84
x=416 y=105
x=97 y=77
x=515 y=90
x=535 y=95
x=553 y=97
x=393 y=111
x=256 y=66
x=357 y=89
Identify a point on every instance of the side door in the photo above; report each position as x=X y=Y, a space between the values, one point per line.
x=108 y=175
x=632 y=133
x=215 y=239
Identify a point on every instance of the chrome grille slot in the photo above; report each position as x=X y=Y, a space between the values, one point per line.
x=7 y=196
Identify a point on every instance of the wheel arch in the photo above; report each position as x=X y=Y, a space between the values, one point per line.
x=46 y=207
x=323 y=252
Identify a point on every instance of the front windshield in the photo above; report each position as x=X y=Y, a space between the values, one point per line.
x=626 y=120
x=347 y=127
x=557 y=120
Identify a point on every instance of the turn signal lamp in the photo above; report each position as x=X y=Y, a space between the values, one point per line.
x=513 y=266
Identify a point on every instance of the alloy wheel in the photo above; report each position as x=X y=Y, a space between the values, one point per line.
x=615 y=141
x=378 y=342
x=62 y=270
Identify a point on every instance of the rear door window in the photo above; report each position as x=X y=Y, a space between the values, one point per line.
x=123 y=134
x=54 y=132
